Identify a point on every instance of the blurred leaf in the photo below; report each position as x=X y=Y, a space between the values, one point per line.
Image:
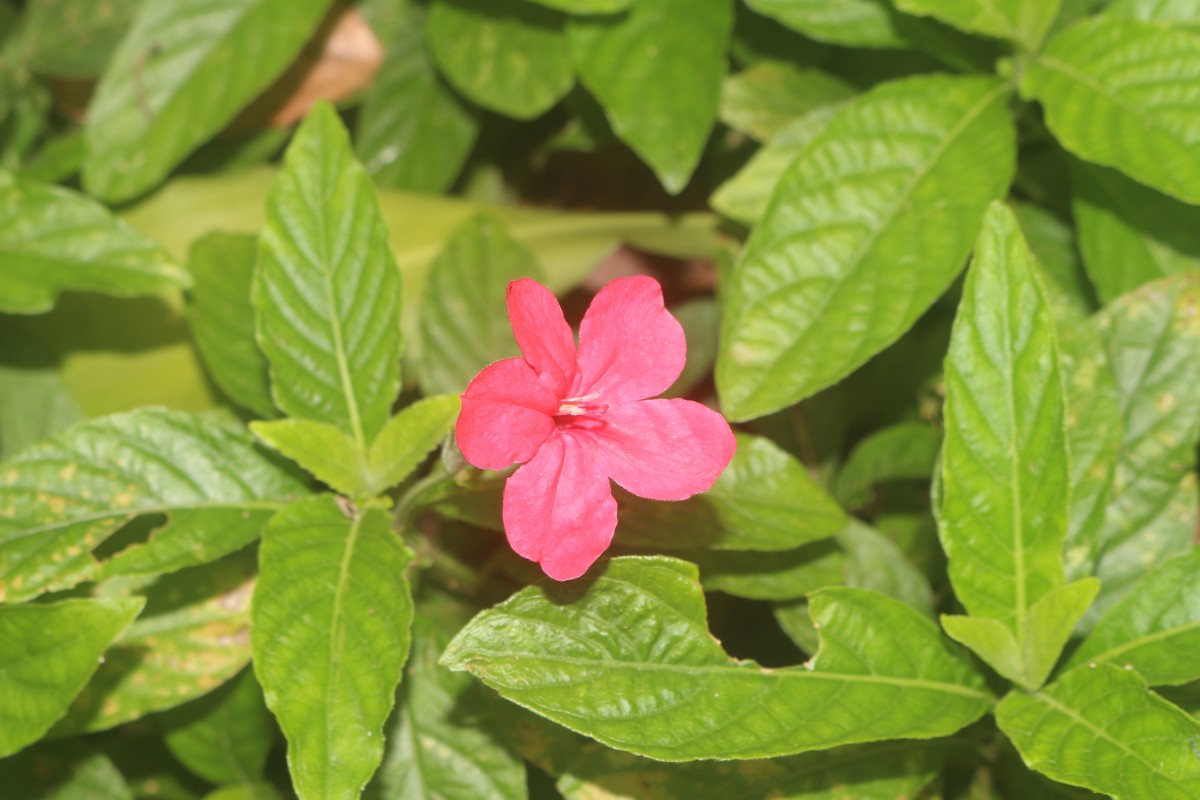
x=854 y=23
x=34 y=401
x=759 y=575
x=764 y=99
x=47 y=654
x=657 y=71
x=700 y=318
x=509 y=56
x=326 y=288
x=226 y=736
x=75 y=37
x=330 y=680
x=1180 y=12
x=180 y=74
x=63 y=498
x=1128 y=234
x=923 y=156
x=587 y=6
x=62 y=773
x=1052 y=242
x=221 y=319
x=1078 y=731
x=764 y=500
x=1125 y=94
x=1155 y=629
x=246 y=791
x=875 y=562
x=904 y=450
x=192 y=637
x=464 y=325
x=413 y=132
x=57 y=160
x=1024 y=22
x=52 y=239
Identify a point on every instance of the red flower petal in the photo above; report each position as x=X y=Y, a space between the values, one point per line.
x=661 y=449
x=543 y=334
x=506 y=415
x=559 y=509
x=630 y=347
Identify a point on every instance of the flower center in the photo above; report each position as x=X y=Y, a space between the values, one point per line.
x=581 y=406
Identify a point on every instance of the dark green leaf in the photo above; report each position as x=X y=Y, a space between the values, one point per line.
x=886 y=200
x=226 y=736
x=75 y=37
x=904 y=450
x=785 y=575
x=330 y=680
x=761 y=101
x=60 y=772
x=1052 y=242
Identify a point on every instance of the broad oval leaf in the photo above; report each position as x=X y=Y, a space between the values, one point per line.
x=1155 y=629
x=53 y=239
x=871 y=222
x=764 y=99
x=1125 y=94
x=61 y=499
x=509 y=56
x=226 y=736
x=657 y=71
x=331 y=618
x=327 y=289
x=47 y=654
x=1102 y=729
x=180 y=74
x=641 y=673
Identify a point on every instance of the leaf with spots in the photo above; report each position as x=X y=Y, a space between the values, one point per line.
x=61 y=499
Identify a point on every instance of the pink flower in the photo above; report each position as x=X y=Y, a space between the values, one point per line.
x=574 y=418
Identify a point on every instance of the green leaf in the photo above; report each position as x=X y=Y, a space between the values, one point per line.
x=855 y=23
x=1005 y=468
x=226 y=736
x=700 y=318
x=1024 y=22
x=442 y=742
x=180 y=74
x=327 y=290
x=222 y=319
x=192 y=636
x=884 y=771
x=643 y=674
x=1153 y=341
x=587 y=6
x=408 y=438
x=34 y=401
x=323 y=450
x=904 y=450
x=464 y=326
x=1052 y=241
x=1128 y=234
x=1155 y=629
x=47 y=654
x=886 y=199
x=61 y=499
x=60 y=772
x=745 y=196
x=330 y=681
x=53 y=239
x=1125 y=94
x=1174 y=12
x=665 y=113
x=762 y=100
x=75 y=37
x=509 y=56
x=259 y=790
x=764 y=500
x=413 y=132
x=1102 y=729
x=758 y=575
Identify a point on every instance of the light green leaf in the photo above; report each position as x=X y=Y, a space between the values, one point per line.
x=1005 y=468
x=587 y=6
x=330 y=680
x=413 y=132
x=192 y=636
x=904 y=450
x=34 y=401
x=884 y=203
x=180 y=74
x=47 y=654
x=259 y=790
x=1024 y=22
x=854 y=23
x=1153 y=341
x=764 y=99
x=643 y=674
x=226 y=736
x=745 y=196
x=323 y=450
x=657 y=71
x=764 y=500
x=60 y=499
x=1125 y=94
x=1129 y=234
x=1155 y=629
x=75 y=37
x=222 y=319
x=326 y=289
x=1175 y=12
x=464 y=325
x=53 y=239
x=885 y=771
x=442 y=742
x=408 y=438
x=1102 y=729
x=509 y=56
